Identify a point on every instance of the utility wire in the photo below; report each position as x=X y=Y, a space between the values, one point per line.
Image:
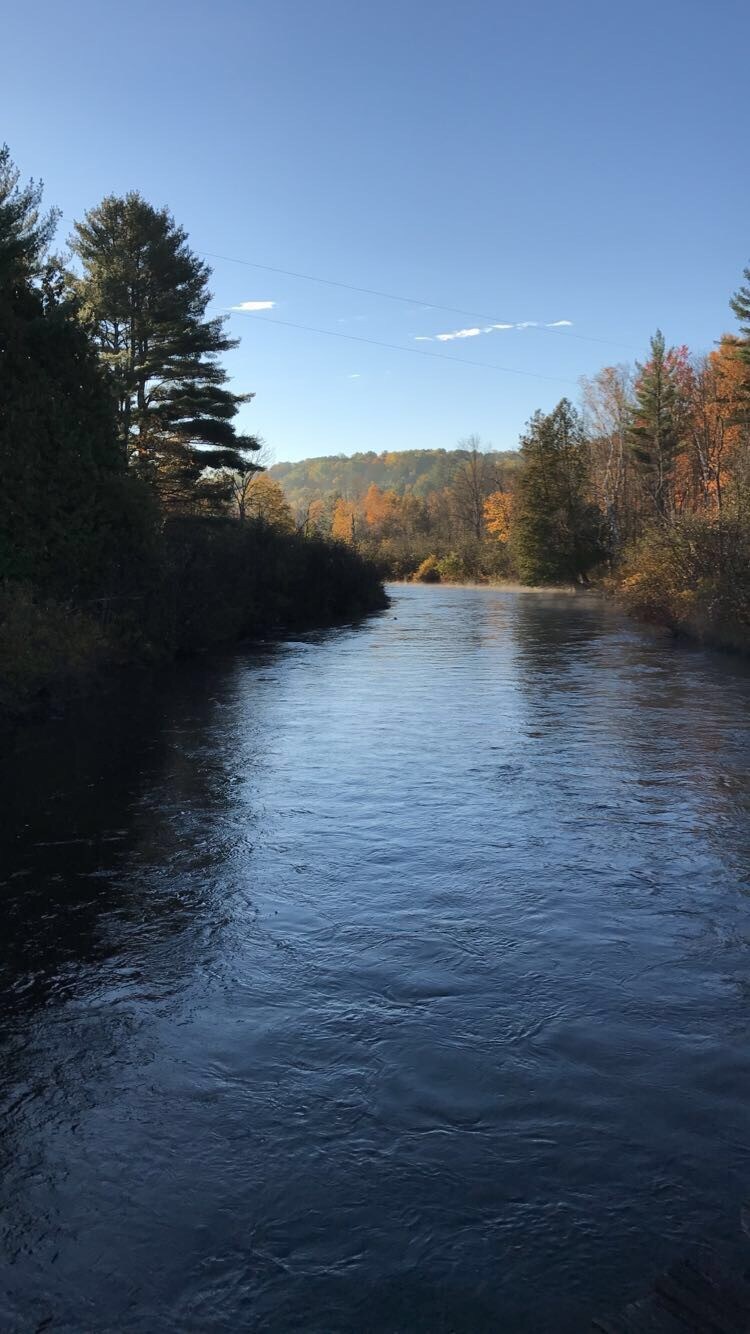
x=415 y=351
x=409 y=300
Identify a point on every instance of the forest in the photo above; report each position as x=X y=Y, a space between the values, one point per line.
x=137 y=521
x=120 y=460
x=421 y=472
x=643 y=489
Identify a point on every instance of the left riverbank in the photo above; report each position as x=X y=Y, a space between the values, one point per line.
x=126 y=534
x=209 y=583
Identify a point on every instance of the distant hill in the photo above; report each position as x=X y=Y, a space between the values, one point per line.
x=420 y=471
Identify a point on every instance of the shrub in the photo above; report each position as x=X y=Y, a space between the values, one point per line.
x=453 y=567
x=44 y=646
x=693 y=576
x=428 y=572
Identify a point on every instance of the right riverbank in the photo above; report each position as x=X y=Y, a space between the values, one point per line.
x=692 y=576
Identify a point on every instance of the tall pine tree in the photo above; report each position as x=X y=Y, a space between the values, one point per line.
x=656 y=430
x=740 y=304
x=145 y=295
x=557 y=531
x=740 y=348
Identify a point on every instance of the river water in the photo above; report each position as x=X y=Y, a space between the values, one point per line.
x=395 y=979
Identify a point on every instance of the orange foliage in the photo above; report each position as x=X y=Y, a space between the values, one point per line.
x=378 y=506
x=731 y=385
x=716 y=435
x=497 y=514
x=342 y=524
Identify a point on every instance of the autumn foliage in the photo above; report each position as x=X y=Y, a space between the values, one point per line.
x=648 y=486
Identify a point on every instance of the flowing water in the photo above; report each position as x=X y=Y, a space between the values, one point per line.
x=395 y=979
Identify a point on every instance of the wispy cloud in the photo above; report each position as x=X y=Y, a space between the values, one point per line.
x=486 y=329
x=458 y=333
x=355 y=376
x=254 y=305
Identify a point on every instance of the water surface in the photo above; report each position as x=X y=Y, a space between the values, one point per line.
x=391 y=980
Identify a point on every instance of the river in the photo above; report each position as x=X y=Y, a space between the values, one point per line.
x=393 y=979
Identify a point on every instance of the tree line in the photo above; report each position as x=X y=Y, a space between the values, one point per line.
x=120 y=457
x=421 y=472
x=644 y=485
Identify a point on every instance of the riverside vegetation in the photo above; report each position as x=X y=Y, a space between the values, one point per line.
x=136 y=521
x=120 y=461
x=644 y=488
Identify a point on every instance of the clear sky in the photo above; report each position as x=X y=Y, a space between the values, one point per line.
x=557 y=160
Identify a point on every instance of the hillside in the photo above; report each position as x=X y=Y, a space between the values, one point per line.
x=417 y=471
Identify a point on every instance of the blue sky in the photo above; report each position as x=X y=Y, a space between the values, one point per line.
x=545 y=162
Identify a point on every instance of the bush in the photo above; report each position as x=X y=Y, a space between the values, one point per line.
x=44 y=647
x=204 y=582
x=452 y=567
x=226 y=580
x=693 y=576
x=428 y=572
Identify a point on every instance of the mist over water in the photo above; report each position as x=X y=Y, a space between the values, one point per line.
x=395 y=979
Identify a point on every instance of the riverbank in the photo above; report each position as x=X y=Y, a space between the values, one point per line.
x=212 y=583
x=693 y=577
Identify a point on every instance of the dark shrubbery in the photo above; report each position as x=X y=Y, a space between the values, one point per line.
x=93 y=571
x=225 y=580
x=199 y=583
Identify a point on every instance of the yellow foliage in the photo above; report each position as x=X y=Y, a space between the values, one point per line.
x=342 y=524
x=315 y=515
x=428 y=572
x=498 y=511
x=266 y=501
x=731 y=375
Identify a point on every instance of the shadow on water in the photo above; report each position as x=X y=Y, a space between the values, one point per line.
x=89 y=805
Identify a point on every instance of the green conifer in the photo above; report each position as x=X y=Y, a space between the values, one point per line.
x=655 y=431
x=557 y=532
x=145 y=295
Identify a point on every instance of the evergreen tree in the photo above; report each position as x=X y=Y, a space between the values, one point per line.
x=60 y=463
x=656 y=427
x=740 y=347
x=24 y=232
x=145 y=296
x=557 y=531
x=740 y=304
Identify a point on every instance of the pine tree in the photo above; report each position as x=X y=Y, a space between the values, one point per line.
x=657 y=422
x=61 y=501
x=557 y=531
x=740 y=304
x=25 y=232
x=145 y=295
x=740 y=347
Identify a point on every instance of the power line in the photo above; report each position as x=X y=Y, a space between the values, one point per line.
x=408 y=300
x=415 y=351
